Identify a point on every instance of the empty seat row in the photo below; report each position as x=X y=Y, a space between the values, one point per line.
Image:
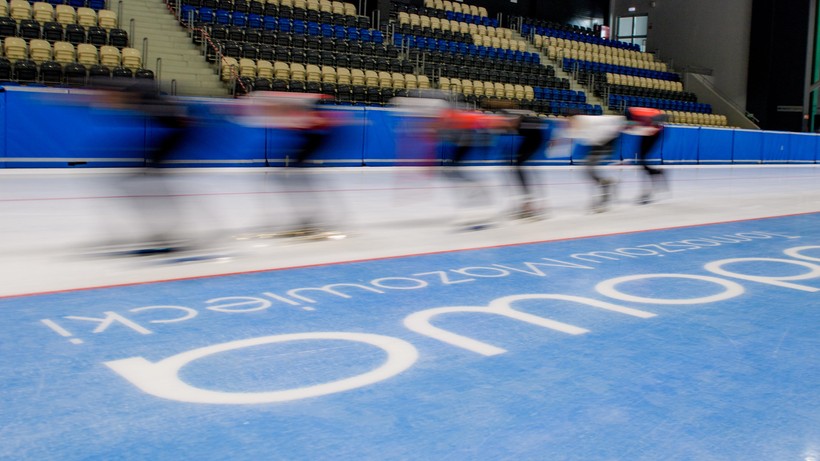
x=56 y=32
x=620 y=103
x=15 y=48
x=571 y=65
x=558 y=54
x=694 y=118
x=527 y=30
x=495 y=42
x=543 y=79
x=20 y=10
x=645 y=92
x=456 y=7
x=543 y=43
x=643 y=82
x=446 y=46
x=52 y=72
x=417 y=22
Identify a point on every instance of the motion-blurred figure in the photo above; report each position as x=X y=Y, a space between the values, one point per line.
x=598 y=133
x=648 y=124
x=149 y=190
x=534 y=133
x=299 y=114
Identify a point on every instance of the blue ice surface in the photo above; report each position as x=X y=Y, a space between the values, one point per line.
x=730 y=379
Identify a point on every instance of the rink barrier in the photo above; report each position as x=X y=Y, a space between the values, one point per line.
x=48 y=128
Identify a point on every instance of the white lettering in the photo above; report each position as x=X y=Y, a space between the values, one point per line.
x=161 y=379
x=814 y=272
x=607 y=288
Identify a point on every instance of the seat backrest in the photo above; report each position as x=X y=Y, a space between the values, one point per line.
x=86 y=17
x=39 y=50
x=87 y=54
x=107 y=19
x=264 y=69
x=65 y=14
x=43 y=12
x=20 y=9
x=131 y=58
x=110 y=56
x=15 y=48
x=64 y=52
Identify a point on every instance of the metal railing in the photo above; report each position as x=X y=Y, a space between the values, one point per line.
x=208 y=43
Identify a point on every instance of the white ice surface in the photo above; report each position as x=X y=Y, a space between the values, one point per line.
x=51 y=219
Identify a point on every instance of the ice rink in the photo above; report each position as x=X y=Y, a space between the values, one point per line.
x=682 y=329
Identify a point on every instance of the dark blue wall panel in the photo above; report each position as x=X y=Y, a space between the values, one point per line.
x=803 y=148
x=748 y=147
x=59 y=128
x=679 y=145
x=776 y=147
x=715 y=145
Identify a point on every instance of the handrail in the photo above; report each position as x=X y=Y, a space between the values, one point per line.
x=218 y=53
x=119 y=12
x=173 y=87
x=131 y=28
x=158 y=68
x=144 y=49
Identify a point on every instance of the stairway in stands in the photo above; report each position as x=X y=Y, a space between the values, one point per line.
x=181 y=60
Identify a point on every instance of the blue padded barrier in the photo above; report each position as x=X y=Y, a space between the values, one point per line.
x=679 y=145
x=776 y=147
x=217 y=139
x=804 y=148
x=3 y=136
x=715 y=145
x=48 y=128
x=61 y=127
x=748 y=147
x=626 y=149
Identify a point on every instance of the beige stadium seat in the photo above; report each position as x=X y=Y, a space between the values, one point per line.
x=499 y=90
x=86 y=17
x=65 y=14
x=326 y=6
x=131 y=58
x=298 y=72
x=350 y=9
x=410 y=82
x=444 y=25
x=338 y=8
x=415 y=20
x=398 y=80
x=357 y=77
x=482 y=11
x=519 y=91
x=529 y=92
x=343 y=76
x=467 y=87
x=64 y=52
x=423 y=82
x=264 y=69
x=87 y=54
x=230 y=67
x=107 y=19
x=371 y=78
x=43 y=12
x=478 y=88
x=110 y=56
x=435 y=23
x=301 y=4
x=404 y=18
x=313 y=73
x=328 y=74
x=281 y=70
x=429 y=4
x=457 y=7
x=448 y=5
x=425 y=22
x=509 y=91
x=20 y=9
x=247 y=68
x=313 y=5
x=385 y=80
x=4 y=8
x=39 y=51
x=288 y=3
